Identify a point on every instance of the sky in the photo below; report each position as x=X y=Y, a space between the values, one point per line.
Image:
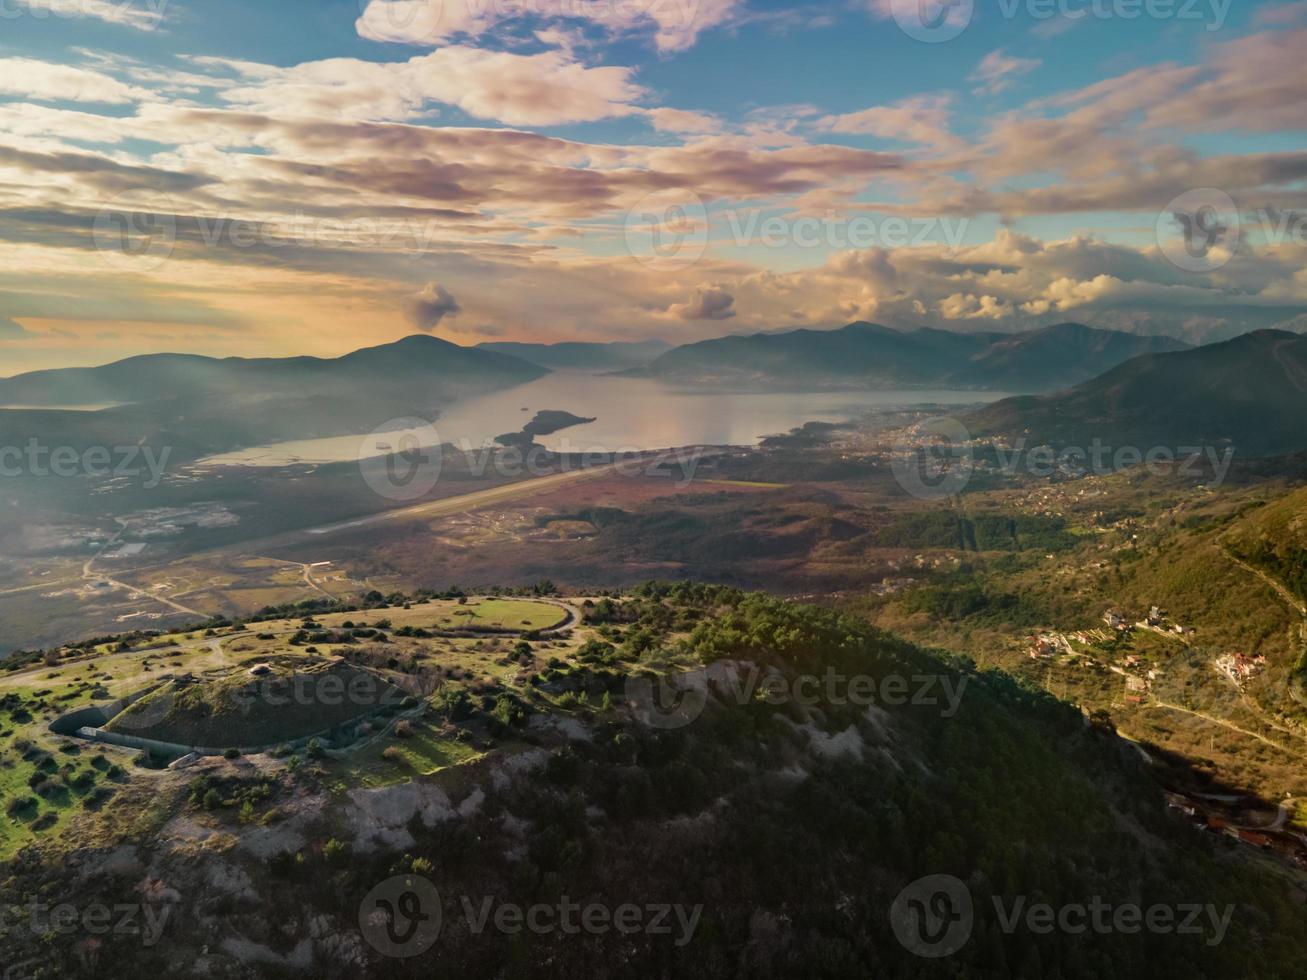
x=314 y=176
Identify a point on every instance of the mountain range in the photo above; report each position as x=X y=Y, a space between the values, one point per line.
x=420 y=365
x=863 y=355
x=570 y=356
x=198 y=406
x=1249 y=393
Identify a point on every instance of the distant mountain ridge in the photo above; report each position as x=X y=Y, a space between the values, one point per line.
x=199 y=406
x=862 y=355
x=579 y=356
x=419 y=362
x=1249 y=393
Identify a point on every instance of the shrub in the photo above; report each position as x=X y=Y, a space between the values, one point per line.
x=508 y=712
x=22 y=805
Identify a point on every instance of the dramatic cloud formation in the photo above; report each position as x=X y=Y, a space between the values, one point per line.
x=709 y=303
x=564 y=190
x=429 y=307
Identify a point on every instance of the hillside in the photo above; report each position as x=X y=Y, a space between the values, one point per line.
x=198 y=406
x=1066 y=354
x=863 y=355
x=262 y=702
x=787 y=829
x=420 y=364
x=1249 y=393
x=1274 y=539
x=582 y=356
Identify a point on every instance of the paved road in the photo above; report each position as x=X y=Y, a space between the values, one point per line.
x=436 y=508
x=89 y=574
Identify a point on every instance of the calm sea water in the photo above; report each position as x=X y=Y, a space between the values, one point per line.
x=630 y=413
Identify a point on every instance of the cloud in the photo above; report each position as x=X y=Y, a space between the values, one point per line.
x=676 y=24
x=669 y=120
x=708 y=303
x=922 y=119
x=545 y=89
x=429 y=307
x=9 y=330
x=49 y=82
x=533 y=225
x=998 y=72
x=143 y=16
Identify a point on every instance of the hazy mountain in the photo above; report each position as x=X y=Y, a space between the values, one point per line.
x=419 y=364
x=1065 y=354
x=864 y=355
x=197 y=406
x=581 y=356
x=1249 y=393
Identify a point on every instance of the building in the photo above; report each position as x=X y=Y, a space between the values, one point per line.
x=1114 y=619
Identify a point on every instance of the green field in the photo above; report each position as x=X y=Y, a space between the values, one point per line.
x=210 y=713
x=491 y=613
x=69 y=778
x=425 y=751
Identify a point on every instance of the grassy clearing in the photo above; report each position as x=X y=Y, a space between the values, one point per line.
x=492 y=613
x=36 y=695
x=41 y=786
x=425 y=751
